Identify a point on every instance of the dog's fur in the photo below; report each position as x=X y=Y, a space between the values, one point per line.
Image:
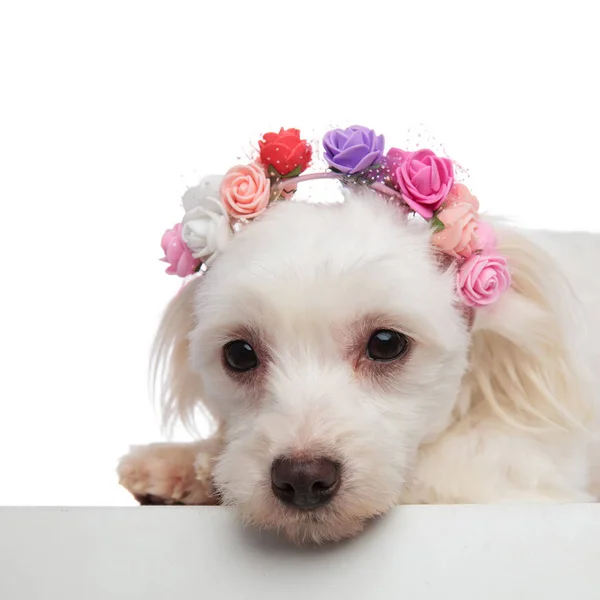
x=496 y=409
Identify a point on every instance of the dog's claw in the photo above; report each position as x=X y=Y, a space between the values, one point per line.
x=151 y=500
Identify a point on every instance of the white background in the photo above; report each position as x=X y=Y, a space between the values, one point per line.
x=109 y=110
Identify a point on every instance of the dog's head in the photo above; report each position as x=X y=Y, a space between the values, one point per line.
x=328 y=340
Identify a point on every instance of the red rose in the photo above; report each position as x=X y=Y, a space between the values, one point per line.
x=285 y=153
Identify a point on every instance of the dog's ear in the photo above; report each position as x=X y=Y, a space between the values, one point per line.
x=176 y=387
x=524 y=351
x=446 y=263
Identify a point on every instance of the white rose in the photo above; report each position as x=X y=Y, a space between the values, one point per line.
x=205 y=227
x=209 y=187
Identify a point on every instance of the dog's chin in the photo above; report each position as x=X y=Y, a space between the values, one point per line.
x=318 y=526
x=330 y=523
x=315 y=531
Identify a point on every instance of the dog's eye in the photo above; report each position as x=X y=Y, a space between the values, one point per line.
x=386 y=345
x=240 y=356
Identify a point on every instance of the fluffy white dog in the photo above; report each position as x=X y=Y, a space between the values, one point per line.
x=327 y=343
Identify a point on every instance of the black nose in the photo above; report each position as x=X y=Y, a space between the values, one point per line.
x=305 y=483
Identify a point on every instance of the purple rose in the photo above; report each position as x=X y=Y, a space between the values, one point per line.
x=352 y=150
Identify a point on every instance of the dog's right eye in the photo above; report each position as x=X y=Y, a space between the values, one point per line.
x=240 y=356
x=386 y=345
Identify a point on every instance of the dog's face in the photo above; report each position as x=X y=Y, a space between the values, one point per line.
x=329 y=342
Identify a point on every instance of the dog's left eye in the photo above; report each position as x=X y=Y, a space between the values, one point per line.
x=386 y=345
x=240 y=356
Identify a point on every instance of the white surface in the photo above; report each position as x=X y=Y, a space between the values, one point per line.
x=430 y=552
x=109 y=110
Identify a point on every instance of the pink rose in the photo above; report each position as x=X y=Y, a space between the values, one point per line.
x=423 y=178
x=482 y=279
x=245 y=191
x=177 y=254
x=288 y=191
x=487 y=237
x=460 y=235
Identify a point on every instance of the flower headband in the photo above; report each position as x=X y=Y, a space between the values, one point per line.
x=420 y=182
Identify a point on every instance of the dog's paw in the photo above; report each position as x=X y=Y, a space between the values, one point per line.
x=168 y=474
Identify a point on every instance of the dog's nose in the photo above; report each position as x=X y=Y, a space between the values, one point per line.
x=305 y=483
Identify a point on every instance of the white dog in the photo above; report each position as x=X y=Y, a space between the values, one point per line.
x=327 y=343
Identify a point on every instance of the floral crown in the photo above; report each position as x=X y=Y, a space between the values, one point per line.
x=419 y=182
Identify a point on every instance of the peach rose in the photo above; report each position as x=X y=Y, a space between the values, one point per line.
x=461 y=193
x=245 y=191
x=459 y=236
